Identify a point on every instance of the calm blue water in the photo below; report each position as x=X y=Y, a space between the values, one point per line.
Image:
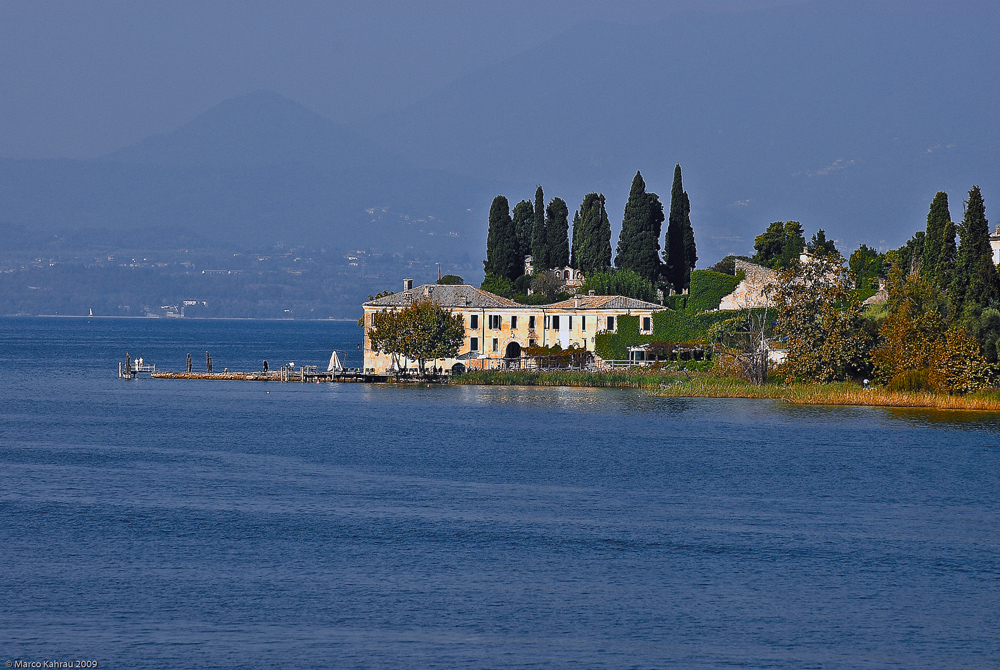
x=174 y=524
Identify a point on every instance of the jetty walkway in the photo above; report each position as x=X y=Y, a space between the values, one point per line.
x=303 y=375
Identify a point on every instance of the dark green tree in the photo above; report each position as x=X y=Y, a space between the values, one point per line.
x=639 y=242
x=908 y=258
x=780 y=245
x=976 y=285
x=539 y=238
x=557 y=233
x=679 y=252
x=524 y=222
x=820 y=246
x=501 y=243
x=593 y=243
x=793 y=245
x=949 y=257
x=937 y=221
x=865 y=267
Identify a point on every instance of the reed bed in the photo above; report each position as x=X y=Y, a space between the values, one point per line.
x=695 y=385
x=843 y=393
x=633 y=378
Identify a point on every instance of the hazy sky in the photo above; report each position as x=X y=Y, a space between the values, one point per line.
x=84 y=78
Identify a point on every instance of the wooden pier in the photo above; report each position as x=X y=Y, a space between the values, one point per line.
x=304 y=376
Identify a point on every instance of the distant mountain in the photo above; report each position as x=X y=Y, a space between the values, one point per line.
x=845 y=115
x=253 y=170
x=260 y=128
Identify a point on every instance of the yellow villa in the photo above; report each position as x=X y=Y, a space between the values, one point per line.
x=497 y=328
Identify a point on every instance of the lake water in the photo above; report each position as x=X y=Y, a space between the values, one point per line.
x=177 y=524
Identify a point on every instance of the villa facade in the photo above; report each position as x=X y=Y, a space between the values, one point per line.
x=497 y=330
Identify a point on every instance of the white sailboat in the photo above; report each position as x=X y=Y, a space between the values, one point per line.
x=335 y=364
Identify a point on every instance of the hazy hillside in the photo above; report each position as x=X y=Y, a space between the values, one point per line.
x=847 y=116
x=257 y=169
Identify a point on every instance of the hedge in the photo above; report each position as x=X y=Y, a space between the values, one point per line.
x=668 y=326
x=708 y=288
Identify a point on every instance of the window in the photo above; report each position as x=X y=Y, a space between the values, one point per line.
x=496 y=344
x=571 y=323
x=645 y=323
x=474 y=323
x=546 y=323
x=555 y=322
x=494 y=321
x=583 y=323
x=474 y=344
x=531 y=323
x=611 y=323
x=513 y=323
x=532 y=343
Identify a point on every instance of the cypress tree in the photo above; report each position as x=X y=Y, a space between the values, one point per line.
x=949 y=256
x=557 y=233
x=820 y=246
x=679 y=252
x=793 y=244
x=639 y=242
x=501 y=243
x=524 y=221
x=937 y=217
x=539 y=238
x=976 y=284
x=594 y=240
x=575 y=247
x=601 y=240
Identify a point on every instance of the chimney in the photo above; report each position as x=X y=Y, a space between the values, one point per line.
x=576 y=302
x=427 y=289
x=407 y=284
x=590 y=292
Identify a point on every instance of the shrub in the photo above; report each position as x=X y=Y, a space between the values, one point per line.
x=533 y=299
x=450 y=280
x=621 y=282
x=727 y=265
x=909 y=380
x=500 y=286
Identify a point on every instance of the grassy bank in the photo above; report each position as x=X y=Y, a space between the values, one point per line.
x=843 y=393
x=695 y=385
x=634 y=378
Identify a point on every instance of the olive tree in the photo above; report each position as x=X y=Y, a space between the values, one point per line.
x=821 y=321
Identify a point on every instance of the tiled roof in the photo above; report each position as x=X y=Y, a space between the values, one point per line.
x=604 y=302
x=461 y=295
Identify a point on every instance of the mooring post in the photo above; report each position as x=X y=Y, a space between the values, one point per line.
x=189 y=363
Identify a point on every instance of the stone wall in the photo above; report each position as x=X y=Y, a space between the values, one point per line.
x=751 y=291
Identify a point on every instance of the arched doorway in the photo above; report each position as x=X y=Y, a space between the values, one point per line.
x=513 y=350
x=457 y=369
